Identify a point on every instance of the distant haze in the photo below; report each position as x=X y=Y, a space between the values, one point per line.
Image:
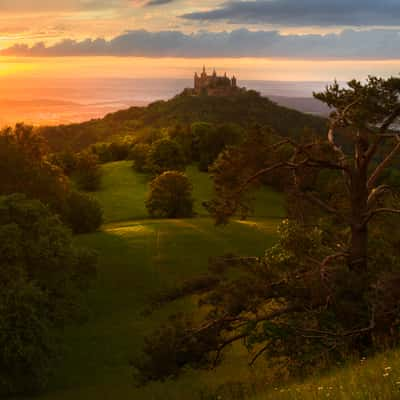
x=74 y=100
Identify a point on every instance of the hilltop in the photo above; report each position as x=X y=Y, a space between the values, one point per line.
x=245 y=109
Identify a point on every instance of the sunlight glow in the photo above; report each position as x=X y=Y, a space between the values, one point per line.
x=244 y=68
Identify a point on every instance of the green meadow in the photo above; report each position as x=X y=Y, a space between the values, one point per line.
x=139 y=257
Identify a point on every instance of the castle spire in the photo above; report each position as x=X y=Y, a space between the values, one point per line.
x=204 y=69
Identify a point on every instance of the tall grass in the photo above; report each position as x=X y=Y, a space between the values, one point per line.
x=377 y=378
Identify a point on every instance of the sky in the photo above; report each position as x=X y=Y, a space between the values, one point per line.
x=260 y=39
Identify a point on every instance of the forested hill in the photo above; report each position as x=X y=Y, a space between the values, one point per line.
x=245 y=109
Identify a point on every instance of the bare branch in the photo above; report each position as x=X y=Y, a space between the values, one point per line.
x=257 y=355
x=227 y=343
x=382 y=135
x=372 y=213
x=384 y=164
x=336 y=148
x=264 y=171
x=334 y=123
x=329 y=259
x=326 y=207
x=355 y=332
x=390 y=120
x=376 y=192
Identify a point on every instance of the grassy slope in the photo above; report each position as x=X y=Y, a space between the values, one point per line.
x=123 y=193
x=374 y=379
x=138 y=257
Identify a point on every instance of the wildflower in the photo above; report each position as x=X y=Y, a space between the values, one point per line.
x=321 y=388
x=386 y=374
x=388 y=368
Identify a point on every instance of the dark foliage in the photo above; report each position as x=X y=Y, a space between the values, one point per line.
x=43 y=277
x=193 y=286
x=140 y=155
x=209 y=140
x=24 y=168
x=87 y=173
x=165 y=155
x=114 y=151
x=84 y=214
x=66 y=160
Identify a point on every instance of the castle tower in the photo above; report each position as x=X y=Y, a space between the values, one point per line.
x=214 y=85
x=234 y=81
x=204 y=73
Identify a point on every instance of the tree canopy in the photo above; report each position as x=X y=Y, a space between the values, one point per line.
x=170 y=196
x=43 y=277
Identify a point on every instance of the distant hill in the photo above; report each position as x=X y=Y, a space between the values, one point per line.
x=245 y=109
x=307 y=105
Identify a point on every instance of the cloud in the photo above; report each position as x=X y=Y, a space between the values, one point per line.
x=158 y=2
x=349 y=44
x=305 y=12
x=30 y=6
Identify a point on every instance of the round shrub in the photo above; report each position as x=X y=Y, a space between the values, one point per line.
x=170 y=196
x=84 y=214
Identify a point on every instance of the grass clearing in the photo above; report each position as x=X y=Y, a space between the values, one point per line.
x=124 y=191
x=139 y=257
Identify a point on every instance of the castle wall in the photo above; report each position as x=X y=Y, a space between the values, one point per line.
x=214 y=85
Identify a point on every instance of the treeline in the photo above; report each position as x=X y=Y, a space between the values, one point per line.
x=43 y=274
x=164 y=155
x=245 y=110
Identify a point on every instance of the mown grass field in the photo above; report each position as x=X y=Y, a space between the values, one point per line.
x=138 y=257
